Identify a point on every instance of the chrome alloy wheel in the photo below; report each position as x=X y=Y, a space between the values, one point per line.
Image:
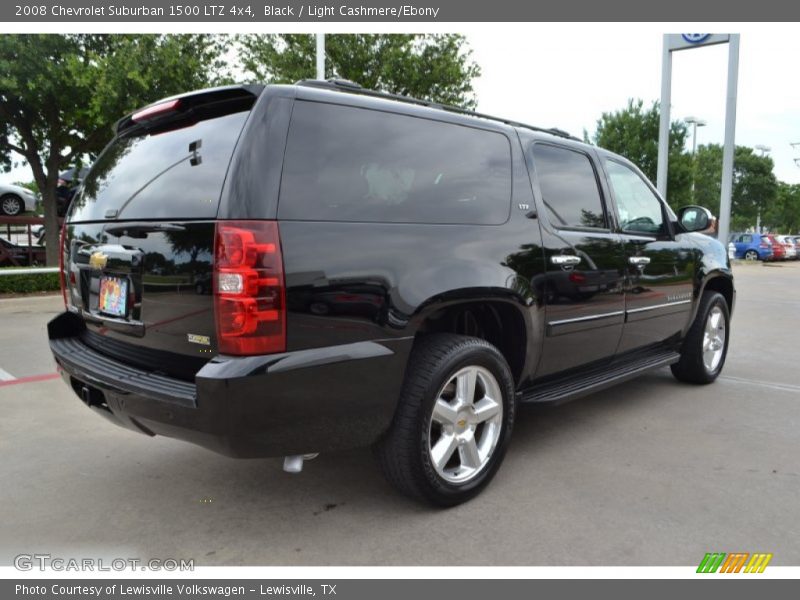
x=11 y=206
x=714 y=339
x=466 y=424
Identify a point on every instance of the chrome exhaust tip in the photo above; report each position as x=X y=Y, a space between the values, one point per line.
x=294 y=464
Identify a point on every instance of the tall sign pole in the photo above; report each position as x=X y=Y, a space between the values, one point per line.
x=686 y=41
x=730 y=140
x=663 y=131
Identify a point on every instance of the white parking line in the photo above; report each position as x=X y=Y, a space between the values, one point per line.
x=26 y=299
x=785 y=387
x=6 y=376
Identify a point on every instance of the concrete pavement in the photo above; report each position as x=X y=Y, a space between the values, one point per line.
x=652 y=472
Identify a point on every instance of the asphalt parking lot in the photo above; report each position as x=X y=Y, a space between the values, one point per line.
x=649 y=473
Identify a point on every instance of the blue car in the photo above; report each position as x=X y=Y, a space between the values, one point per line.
x=751 y=246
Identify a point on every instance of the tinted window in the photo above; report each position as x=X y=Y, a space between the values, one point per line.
x=639 y=208
x=154 y=175
x=569 y=187
x=747 y=239
x=353 y=164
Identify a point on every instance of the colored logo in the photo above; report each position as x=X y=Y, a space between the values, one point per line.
x=98 y=260
x=735 y=562
x=695 y=38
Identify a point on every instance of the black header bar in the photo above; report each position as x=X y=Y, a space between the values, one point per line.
x=415 y=11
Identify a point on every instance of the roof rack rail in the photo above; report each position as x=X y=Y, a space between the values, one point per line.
x=351 y=87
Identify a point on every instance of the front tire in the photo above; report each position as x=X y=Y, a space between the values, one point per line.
x=706 y=345
x=11 y=205
x=453 y=421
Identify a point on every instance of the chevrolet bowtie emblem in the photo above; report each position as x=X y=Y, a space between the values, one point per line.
x=98 y=260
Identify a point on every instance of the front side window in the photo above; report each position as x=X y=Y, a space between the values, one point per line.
x=640 y=210
x=569 y=188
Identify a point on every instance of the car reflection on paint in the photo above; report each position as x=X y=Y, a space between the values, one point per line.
x=355 y=299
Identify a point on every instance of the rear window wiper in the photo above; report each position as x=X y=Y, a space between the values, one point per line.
x=194 y=160
x=140 y=230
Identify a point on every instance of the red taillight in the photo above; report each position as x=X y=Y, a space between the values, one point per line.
x=577 y=277
x=249 y=293
x=151 y=112
x=61 y=273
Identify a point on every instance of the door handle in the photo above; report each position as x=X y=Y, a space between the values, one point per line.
x=563 y=260
x=639 y=261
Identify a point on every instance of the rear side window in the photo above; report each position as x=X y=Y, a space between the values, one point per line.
x=156 y=174
x=570 y=192
x=353 y=164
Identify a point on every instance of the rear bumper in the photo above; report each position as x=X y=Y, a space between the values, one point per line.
x=293 y=403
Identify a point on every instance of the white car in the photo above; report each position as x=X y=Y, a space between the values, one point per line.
x=15 y=200
x=788 y=244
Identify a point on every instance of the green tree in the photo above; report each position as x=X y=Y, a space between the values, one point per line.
x=31 y=185
x=754 y=185
x=435 y=67
x=633 y=133
x=61 y=94
x=783 y=214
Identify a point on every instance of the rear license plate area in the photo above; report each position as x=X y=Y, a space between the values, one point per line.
x=113 y=296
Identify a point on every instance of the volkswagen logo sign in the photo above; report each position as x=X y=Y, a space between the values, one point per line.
x=695 y=38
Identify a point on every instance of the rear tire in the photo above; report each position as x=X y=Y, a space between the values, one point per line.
x=11 y=205
x=449 y=434
x=706 y=345
x=751 y=255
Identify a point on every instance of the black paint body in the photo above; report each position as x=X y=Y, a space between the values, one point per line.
x=357 y=295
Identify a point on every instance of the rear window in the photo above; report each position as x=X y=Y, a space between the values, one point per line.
x=167 y=173
x=352 y=164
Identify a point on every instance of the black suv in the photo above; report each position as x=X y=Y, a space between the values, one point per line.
x=380 y=271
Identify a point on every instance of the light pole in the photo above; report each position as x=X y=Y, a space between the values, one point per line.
x=695 y=123
x=321 y=56
x=764 y=150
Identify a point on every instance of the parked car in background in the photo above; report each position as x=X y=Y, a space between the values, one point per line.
x=778 y=249
x=751 y=246
x=13 y=255
x=15 y=200
x=789 y=246
x=68 y=183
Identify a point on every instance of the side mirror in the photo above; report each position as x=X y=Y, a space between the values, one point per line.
x=695 y=218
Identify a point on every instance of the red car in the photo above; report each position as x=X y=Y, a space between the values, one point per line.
x=778 y=250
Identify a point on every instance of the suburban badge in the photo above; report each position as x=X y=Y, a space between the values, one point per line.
x=193 y=338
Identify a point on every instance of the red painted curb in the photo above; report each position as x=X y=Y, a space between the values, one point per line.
x=30 y=379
